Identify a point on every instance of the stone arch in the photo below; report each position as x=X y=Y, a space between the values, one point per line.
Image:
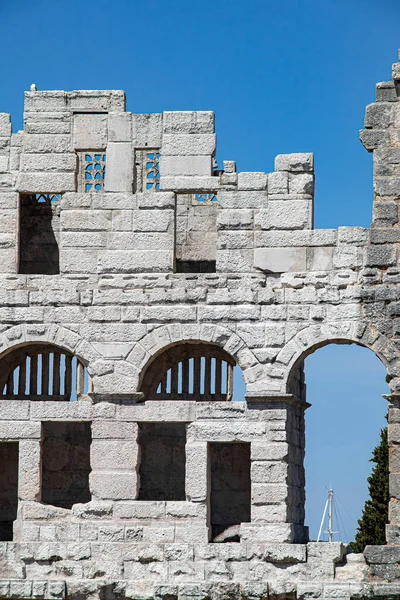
x=308 y=340
x=188 y=371
x=56 y=335
x=150 y=346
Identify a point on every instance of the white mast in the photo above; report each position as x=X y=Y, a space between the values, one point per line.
x=330 y=530
x=328 y=505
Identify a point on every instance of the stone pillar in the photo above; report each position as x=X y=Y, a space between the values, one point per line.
x=393 y=528
x=277 y=472
x=197 y=481
x=29 y=470
x=114 y=457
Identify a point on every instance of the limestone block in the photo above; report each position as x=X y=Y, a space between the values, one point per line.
x=196 y=471
x=242 y=200
x=378 y=116
x=8 y=260
x=53 y=182
x=273 y=513
x=280 y=260
x=131 y=261
x=119 y=127
x=147 y=131
x=278 y=183
x=83 y=239
x=14 y=430
x=114 y=430
x=81 y=220
x=107 y=455
x=159 y=534
x=235 y=219
x=352 y=235
x=122 y=220
x=252 y=181
x=57 y=163
x=301 y=184
x=229 y=166
x=29 y=470
x=269 y=493
x=5 y=125
x=90 y=132
x=76 y=261
x=267 y=451
x=159 y=200
x=4 y=164
x=307 y=237
x=235 y=261
x=45 y=143
x=346 y=256
x=51 y=126
x=231 y=431
x=179 y=313
x=188 y=144
x=93 y=510
x=52 y=101
x=344 y=312
x=295 y=163
x=113 y=486
x=271 y=532
x=94 y=101
x=35 y=511
x=185 y=165
x=119 y=176
x=385 y=213
x=387 y=186
x=143 y=509
x=268 y=472
x=155 y=220
x=281 y=214
x=374 y=138
x=320 y=259
x=188 y=183
x=191 y=533
x=188 y=122
x=380 y=256
x=14 y=410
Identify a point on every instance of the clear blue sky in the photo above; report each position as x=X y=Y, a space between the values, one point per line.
x=288 y=76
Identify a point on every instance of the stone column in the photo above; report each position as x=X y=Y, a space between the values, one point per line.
x=277 y=472
x=393 y=528
x=114 y=457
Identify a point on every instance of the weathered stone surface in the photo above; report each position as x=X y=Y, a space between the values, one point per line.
x=119 y=488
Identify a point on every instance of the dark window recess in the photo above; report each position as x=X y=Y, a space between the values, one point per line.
x=66 y=463
x=162 y=464
x=195 y=266
x=8 y=489
x=230 y=499
x=39 y=234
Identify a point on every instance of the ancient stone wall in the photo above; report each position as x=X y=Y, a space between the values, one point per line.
x=134 y=275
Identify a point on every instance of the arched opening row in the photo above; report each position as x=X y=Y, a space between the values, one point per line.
x=190 y=371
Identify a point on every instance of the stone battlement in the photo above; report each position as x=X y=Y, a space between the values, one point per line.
x=135 y=277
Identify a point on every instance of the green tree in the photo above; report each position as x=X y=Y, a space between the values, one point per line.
x=371 y=526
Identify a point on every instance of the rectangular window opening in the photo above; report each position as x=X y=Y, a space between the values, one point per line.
x=66 y=462
x=195 y=266
x=163 y=461
x=8 y=489
x=230 y=497
x=39 y=234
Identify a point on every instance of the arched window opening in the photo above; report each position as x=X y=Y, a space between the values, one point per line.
x=344 y=387
x=43 y=372
x=190 y=371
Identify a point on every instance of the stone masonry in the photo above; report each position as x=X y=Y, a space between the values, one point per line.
x=135 y=276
